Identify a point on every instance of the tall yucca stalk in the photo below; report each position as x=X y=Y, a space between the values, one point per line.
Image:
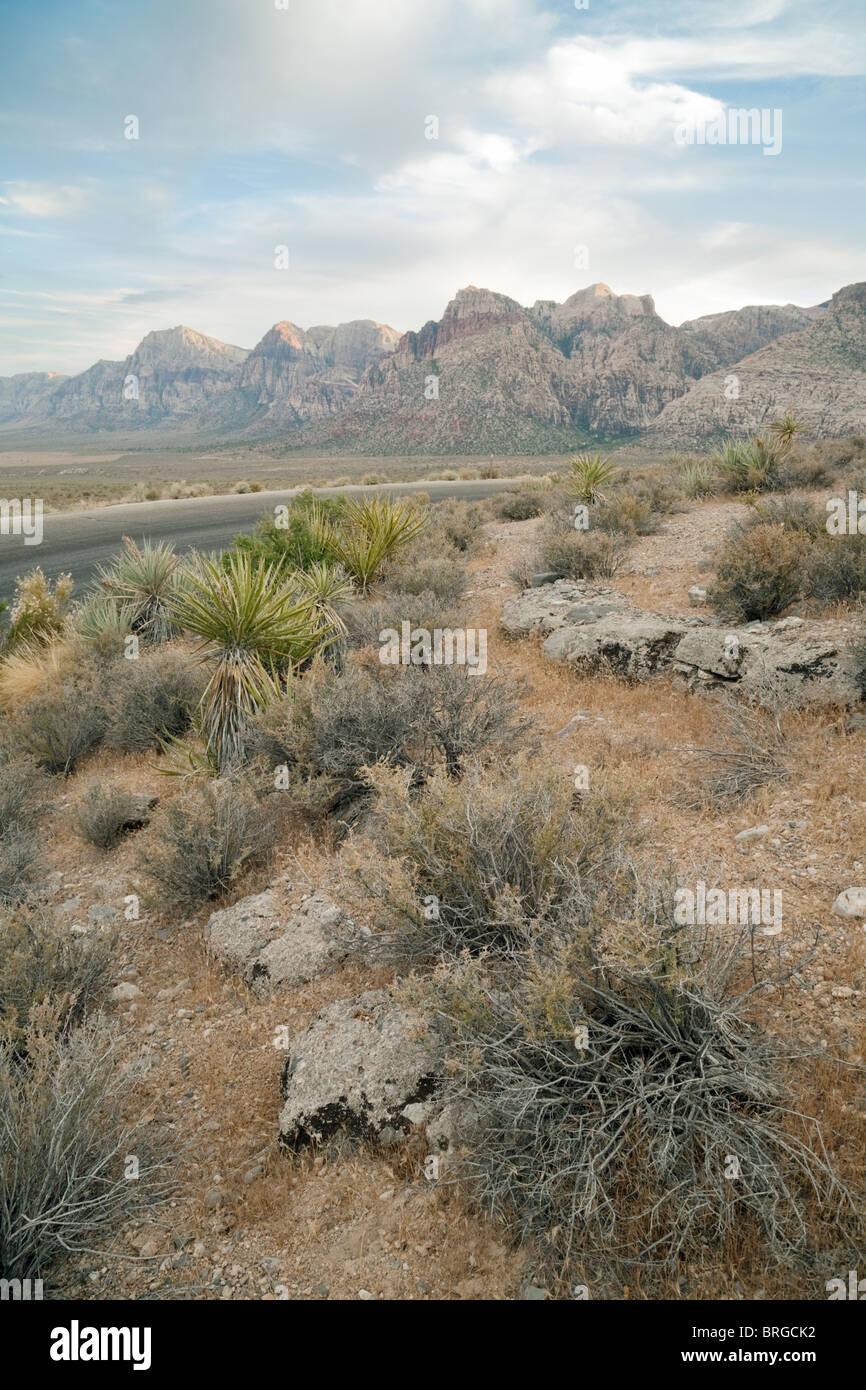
x=145 y=581
x=253 y=628
x=372 y=532
x=589 y=474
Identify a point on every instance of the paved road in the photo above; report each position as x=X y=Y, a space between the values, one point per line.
x=77 y=542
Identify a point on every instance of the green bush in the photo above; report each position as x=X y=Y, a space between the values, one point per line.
x=297 y=544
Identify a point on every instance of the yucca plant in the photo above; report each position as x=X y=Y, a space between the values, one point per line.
x=589 y=474
x=785 y=430
x=696 y=480
x=100 y=617
x=253 y=629
x=145 y=580
x=325 y=586
x=371 y=532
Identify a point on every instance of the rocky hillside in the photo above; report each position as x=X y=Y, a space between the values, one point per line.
x=819 y=372
x=490 y=375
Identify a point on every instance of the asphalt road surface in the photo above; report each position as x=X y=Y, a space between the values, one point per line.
x=77 y=543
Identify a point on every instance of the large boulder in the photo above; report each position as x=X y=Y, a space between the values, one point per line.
x=807 y=665
x=632 y=646
x=273 y=946
x=357 y=1067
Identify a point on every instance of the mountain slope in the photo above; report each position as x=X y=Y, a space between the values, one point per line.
x=818 y=372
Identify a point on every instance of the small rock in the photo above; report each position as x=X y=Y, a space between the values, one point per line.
x=253 y=1173
x=851 y=903
x=697 y=595
x=322 y=1290
x=545 y=577
x=365 y=1295
x=533 y=1294
x=125 y=993
x=101 y=915
x=842 y=992
x=755 y=832
x=213 y=1198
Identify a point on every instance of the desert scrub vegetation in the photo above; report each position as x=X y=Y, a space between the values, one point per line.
x=65 y=1143
x=142 y=583
x=782 y=553
x=42 y=964
x=759 y=572
x=59 y=724
x=521 y=504
x=444 y=578
x=334 y=725
x=253 y=631
x=104 y=814
x=24 y=802
x=589 y=475
x=39 y=611
x=455 y=525
x=152 y=700
x=294 y=542
x=202 y=840
x=578 y=554
x=368 y=534
x=749 y=749
x=502 y=854
x=604 y=1103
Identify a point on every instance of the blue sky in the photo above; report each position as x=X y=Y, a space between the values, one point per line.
x=304 y=126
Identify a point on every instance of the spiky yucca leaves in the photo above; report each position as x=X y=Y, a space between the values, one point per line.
x=99 y=617
x=145 y=580
x=696 y=480
x=325 y=586
x=253 y=629
x=372 y=531
x=785 y=430
x=589 y=474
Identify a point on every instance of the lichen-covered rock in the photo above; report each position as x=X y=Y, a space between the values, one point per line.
x=275 y=947
x=357 y=1067
x=807 y=666
x=634 y=647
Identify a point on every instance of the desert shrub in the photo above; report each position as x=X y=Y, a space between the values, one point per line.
x=501 y=853
x=64 y=1141
x=23 y=792
x=759 y=572
x=369 y=534
x=39 y=612
x=143 y=582
x=579 y=554
x=454 y=524
x=43 y=963
x=445 y=578
x=21 y=866
x=32 y=668
x=104 y=814
x=626 y=513
x=749 y=750
x=335 y=725
x=602 y=1107
x=60 y=725
x=202 y=839
x=520 y=505
x=366 y=619
x=806 y=469
x=295 y=543
x=326 y=588
x=837 y=569
x=152 y=700
x=794 y=513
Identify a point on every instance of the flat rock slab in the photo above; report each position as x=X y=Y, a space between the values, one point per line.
x=594 y=629
x=273 y=946
x=548 y=607
x=356 y=1068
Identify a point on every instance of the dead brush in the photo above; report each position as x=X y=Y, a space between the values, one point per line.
x=750 y=751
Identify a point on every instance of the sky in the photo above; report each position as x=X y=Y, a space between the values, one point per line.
x=565 y=153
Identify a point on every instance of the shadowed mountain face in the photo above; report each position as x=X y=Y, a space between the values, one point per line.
x=491 y=374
